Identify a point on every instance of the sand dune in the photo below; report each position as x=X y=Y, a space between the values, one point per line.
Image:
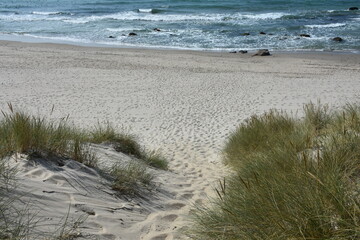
x=182 y=103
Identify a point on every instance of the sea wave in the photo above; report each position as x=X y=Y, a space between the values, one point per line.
x=60 y=39
x=143 y=10
x=122 y=16
x=51 y=13
x=29 y=18
x=150 y=10
x=274 y=15
x=133 y=16
x=46 y=13
x=331 y=25
x=124 y=29
x=142 y=15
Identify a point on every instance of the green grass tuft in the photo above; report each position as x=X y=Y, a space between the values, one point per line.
x=130 y=179
x=23 y=133
x=156 y=160
x=294 y=179
x=127 y=143
x=40 y=138
x=124 y=143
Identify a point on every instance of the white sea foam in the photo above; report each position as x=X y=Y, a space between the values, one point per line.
x=75 y=21
x=139 y=16
x=123 y=29
x=30 y=18
x=331 y=25
x=264 y=15
x=133 y=16
x=46 y=13
x=143 y=10
x=60 y=39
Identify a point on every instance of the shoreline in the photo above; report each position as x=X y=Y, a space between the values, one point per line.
x=34 y=40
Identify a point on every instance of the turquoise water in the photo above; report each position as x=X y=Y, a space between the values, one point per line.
x=191 y=24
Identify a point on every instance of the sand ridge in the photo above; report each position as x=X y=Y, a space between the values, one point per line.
x=182 y=103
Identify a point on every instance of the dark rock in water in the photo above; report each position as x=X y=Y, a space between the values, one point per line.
x=243 y=51
x=157 y=29
x=353 y=8
x=111 y=37
x=233 y=52
x=262 y=52
x=245 y=34
x=262 y=33
x=338 y=39
x=132 y=34
x=304 y=35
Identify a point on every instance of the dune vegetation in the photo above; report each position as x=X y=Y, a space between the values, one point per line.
x=294 y=178
x=37 y=137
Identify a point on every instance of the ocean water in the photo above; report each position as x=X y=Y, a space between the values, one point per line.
x=213 y=25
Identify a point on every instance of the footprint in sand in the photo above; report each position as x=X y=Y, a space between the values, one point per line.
x=107 y=236
x=159 y=237
x=186 y=196
x=169 y=218
x=37 y=173
x=175 y=206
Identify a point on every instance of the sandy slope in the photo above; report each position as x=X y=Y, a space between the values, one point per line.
x=183 y=103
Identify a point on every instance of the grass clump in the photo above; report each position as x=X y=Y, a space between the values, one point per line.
x=127 y=144
x=156 y=160
x=40 y=138
x=15 y=223
x=130 y=179
x=263 y=133
x=23 y=133
x=300 y=181
x=124 y=143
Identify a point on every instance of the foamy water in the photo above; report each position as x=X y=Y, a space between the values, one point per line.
x=204 y=24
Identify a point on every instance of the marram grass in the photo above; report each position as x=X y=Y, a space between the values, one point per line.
x=127 y=143
x=294 y=179
x=35 y=136
x=40 y=138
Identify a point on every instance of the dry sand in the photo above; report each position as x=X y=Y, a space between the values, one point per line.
x=182 y=103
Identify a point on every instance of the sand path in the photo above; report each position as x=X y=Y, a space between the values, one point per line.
x=182 y=103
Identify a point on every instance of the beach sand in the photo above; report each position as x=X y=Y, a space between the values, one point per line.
x=182 y=103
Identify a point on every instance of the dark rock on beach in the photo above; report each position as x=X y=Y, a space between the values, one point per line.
x=338 y=39
x=262 y=33
x=241 y=51
x=262 y=52
x=304 y=35
x=353 y=8
x=132 y=34
x=111 y=37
